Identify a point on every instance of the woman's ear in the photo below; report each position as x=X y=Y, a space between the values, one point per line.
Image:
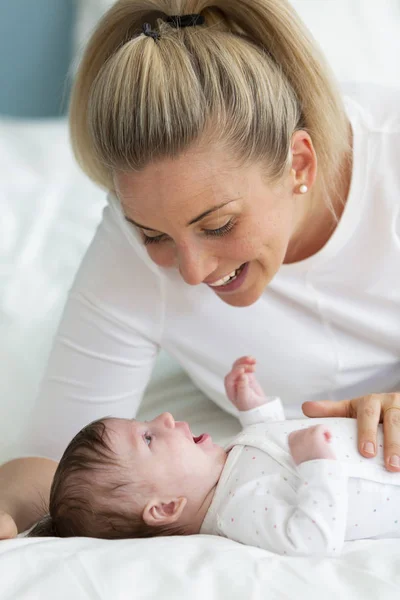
x=158 y=513
x=304 y=160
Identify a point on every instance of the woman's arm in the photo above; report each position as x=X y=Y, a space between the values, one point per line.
x=105 y=347
x=100 y=364
x=24 y=493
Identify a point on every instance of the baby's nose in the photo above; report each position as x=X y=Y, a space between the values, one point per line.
x=168 y=420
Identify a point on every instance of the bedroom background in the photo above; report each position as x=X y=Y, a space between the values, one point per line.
x=48 y=214
x=49 y=210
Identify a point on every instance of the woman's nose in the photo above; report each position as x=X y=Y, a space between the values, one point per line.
x=195 y=265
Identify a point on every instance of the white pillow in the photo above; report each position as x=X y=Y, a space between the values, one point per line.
x=360 y=38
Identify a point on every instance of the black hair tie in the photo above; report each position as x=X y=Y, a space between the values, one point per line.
x=147 y=30
x=174 y=21
x=185 y=20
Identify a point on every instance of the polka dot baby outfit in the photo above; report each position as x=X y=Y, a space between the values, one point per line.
x=263 y=499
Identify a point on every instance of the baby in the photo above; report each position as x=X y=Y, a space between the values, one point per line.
x=279 y=485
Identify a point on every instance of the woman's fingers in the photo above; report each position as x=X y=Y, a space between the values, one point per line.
x=391 y=428
x=369 y=410
x=329 y=408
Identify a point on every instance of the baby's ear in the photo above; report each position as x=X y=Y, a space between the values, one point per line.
x=163 y=513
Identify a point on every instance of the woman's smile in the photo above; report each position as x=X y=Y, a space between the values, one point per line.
x=231 y=282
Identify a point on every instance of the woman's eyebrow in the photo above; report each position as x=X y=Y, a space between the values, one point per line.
x=195 y=220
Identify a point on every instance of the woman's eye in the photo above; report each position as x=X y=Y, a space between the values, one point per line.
x=154 y=240
x=221 y=230
x=147 y=438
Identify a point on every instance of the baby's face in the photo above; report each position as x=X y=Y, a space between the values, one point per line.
x=164 y=455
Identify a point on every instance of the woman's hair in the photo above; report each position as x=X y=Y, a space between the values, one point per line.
x=89 y=495
x=248 y=78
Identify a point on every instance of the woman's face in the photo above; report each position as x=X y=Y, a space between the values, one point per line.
x=211 y=218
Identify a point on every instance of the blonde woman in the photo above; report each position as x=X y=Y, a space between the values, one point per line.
x=253 y=208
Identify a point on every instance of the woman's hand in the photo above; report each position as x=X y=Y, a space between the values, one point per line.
x=241 y=385
x=8 y=528
x=369 y=411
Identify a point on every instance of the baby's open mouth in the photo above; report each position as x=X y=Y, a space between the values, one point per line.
x=198 y=439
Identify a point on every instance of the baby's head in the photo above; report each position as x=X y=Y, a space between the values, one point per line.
x=121 y=478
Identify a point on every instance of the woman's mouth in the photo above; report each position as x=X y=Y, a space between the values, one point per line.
x=231 y=282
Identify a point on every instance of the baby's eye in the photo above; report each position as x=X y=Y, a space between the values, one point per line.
x=147 y=438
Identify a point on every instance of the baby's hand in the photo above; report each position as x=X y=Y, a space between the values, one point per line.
x=241 y=385
x=311 y=444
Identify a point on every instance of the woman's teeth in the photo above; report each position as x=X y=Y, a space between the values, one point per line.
x=227 y=278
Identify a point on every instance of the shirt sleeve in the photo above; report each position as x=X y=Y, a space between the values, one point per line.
x=271 y=411
x=309 y=521
x=106 y=344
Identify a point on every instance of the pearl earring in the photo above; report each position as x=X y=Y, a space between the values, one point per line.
x=303 y=189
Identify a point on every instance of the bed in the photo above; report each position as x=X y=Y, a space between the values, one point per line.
x=49 y=212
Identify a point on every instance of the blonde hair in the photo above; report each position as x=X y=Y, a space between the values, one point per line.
x=250 y=77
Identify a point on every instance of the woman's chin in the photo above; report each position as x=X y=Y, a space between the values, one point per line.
x=241 y=298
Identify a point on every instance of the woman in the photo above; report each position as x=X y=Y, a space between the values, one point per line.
x=252 y=209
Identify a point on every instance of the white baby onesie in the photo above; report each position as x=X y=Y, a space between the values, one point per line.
x=263 y=499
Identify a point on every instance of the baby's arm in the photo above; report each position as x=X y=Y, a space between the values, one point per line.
x=322 y=496
x=306 y=521
x=309 y=520
x=244 y=391
x=316 y=525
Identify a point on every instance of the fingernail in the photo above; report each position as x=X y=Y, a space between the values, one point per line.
x=394 y=461
x=369 y=448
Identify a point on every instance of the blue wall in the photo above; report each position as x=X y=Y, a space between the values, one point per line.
x=35 y=53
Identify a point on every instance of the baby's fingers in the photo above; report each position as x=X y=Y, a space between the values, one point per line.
x=242 y=389
x=229 y=382
x=246 y=362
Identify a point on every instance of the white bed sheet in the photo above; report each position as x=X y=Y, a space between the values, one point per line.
x=49 y=212
x=198 y=567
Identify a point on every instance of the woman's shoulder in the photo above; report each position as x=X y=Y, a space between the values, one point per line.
x=376 y=105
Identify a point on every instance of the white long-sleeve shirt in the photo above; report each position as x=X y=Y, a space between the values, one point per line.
x=327 y=327
x=263 y=499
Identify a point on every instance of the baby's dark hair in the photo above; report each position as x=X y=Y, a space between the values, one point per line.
x=89 y=497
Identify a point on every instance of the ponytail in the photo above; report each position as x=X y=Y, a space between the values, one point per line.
x=251 y=76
